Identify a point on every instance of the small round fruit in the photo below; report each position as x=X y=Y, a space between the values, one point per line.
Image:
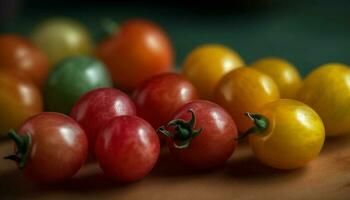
x=50 y=147
x=20 y=55
x=327 y=91
x=285 y=75
x=127 y=148
x=207 y=64
x=242 y=90
x=72 y=78
x=95 y=108
x=160 y=96
x=19 y=99
x=62 y=37
x=287 y=134
x=201 y=135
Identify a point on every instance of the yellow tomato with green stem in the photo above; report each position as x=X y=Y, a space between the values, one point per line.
x=242 y=90
x=327 y=91
x=285 y=75
x=207 y=64
x=286 y=134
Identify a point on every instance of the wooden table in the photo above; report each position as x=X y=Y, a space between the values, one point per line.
x=243 y=178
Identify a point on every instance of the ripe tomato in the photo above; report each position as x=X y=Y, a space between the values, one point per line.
x=19 y=99
x=70 y=79
x=201 y=135
x=19 y=54
x=160 y=96
x=207 y=64
x=50 y=147
x=127 y=148
x=287 y=134
x=244 y=90
x=285 y=75
x=327 y=91
x=95 y=108
x=138 y=51
x=62 y=37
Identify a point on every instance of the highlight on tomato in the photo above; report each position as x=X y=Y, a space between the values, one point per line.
x=138 y=50
x=201 y=135
x=49 y=147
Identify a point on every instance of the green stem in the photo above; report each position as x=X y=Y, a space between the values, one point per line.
x=261 y=124
x=23 y=145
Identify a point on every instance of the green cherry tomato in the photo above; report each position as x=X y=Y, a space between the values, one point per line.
x=62 y=37
x=70 y=79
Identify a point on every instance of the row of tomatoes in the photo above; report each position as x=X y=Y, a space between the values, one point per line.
x=283 y=133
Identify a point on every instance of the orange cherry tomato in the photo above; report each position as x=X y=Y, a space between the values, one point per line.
x=139 y=50
x=207 y=64
x=19 y=99
x=245 y=90
x=19 y=54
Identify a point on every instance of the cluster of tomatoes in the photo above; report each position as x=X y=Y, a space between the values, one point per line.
x=200 y=113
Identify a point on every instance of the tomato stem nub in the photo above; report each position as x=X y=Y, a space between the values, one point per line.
x=23 y=144
x=183 y=132
x=261 y=123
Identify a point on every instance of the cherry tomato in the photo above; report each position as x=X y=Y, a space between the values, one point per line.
x=201 y=135
x=285 y=75
x=19 y=99
x=160 y=96
x=19 y=54
x=50 y=147
x=127 y=148
x=138 y=51
x=70 y=79
x=207 y=64
x=62 y=37
x=287 y=134
x=95 y=108
x=243 y=90
x=327 y=91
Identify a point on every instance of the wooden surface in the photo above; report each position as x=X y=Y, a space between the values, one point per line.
x=243 y=178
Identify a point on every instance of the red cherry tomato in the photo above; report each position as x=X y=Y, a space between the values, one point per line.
x=19 y=54
x=138 y=51
x=201 y=135
x=160 y=96
x=50 y=147
x=95 y=108
x=127 y=148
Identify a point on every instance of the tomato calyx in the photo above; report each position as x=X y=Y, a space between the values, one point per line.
x=23 y=144
x=183 y=132
x=109 y=28
x=261 y=123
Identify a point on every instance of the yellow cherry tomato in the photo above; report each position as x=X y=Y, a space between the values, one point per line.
x=285 y=75
x=207 y=64
x=62 y=37
x=287 y=134
x=327 y=91
x=242 y=90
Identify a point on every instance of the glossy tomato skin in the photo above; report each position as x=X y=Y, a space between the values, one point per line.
x=215 y=144
x=139 y=50
x=295 y=135
x=61 y=37
x=326 y=90
x=160 y=96
x=59 y=147
x=72 y=78
x=95 y=108
x=207 y=64
x=19 y=99
x=19 y=54
x=245 y=90
x=285 y=75
x=127 y=148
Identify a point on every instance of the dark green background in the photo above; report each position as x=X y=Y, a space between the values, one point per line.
x=308 y=33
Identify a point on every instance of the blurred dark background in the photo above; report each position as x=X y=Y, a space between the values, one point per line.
x=306 y=32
